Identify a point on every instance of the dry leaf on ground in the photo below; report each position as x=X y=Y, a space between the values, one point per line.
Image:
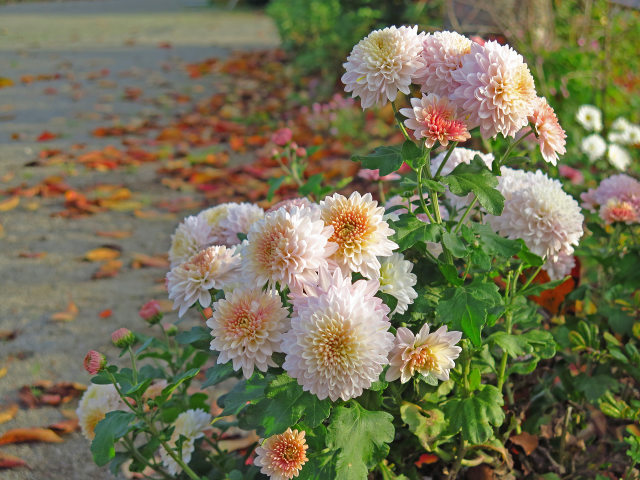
x=68 y=315
x=114 y=234
x=8 y=413
x=526 y=441
x=108 y=269
x=101 y=254
x=29 y=435
x=9 y=203
x=11 y=461
x=65 y=426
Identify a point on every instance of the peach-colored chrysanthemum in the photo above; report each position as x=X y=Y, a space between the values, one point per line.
x=287 y=247
x=435 y=119
x=382 y=63
x=282 y=456
x=338 y=342
x=192 y=235
x=616 y=210
x=190 y=282
x=442 y=54
x=429 y=354
x=551 y=136
x=247 y=328
x=359 y=231
x=496 y=90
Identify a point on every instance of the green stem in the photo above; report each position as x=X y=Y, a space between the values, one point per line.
x=531 y=279
x=135 y=453
x=436 y=210
x=462 y=448
x=133 y=365
x=421 y=196
x=466 y=213
x=503 y=361
x=505 y=157
x=444 y=161
x=381 y=194
x=400 y=124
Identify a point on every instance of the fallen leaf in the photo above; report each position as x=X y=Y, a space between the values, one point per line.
x=11 y=461
x=30 y=434
x=8 y=334
x=3 y=371
x=105 y=313
x=49 y=393
x=32 y=254
x=5 y=82
x=46 y=136
x=9 y=203
x=68 y=315
x=142 y=260
x=526 y=441
x=8 y=413
x=102 y=253
x=480 y=472
x=426 y=459
x=114 y=234
x=108 y=269
x=65 y=426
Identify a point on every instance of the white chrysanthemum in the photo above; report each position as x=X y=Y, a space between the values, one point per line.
x=282 y=456
x=560 y=266
x=618 y=157
x=359 y=231
x=227 y=220
x=496 y=89
x=620 y=124
x=191 y=236
x=301 y=203
x=338 y=342
x=590 y=118
x=96 y=402
x=287 y=247
x=442 y=54
x=397 y=280
x=190 y=425
x=593 y=146
x=191 y=281
x=247 y=328
x=429 y=354
x=624 y=132
x=382 y=63
x=538 y=211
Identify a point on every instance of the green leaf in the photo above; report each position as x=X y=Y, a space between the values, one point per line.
x=477 y=178
x=494 y=244
x=410 y=230
x=218 y=373
x=454 y=244
x=313 y=185
x=274 y=185
x=196 y=334
x=361 y=439
x=477 y=415
x=538 y=288
x=427 y=425
x=450 y=272
x=386 y=159
x=513 y=345
x=178 y=381
x=433 y=185
x=245 y=392
x=113 y=426
x=412 y=154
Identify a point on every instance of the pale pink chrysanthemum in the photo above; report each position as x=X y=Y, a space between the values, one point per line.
x=190 y=425
x=374 y=175
x=339 y=340
x=551 y=136
x=537 y=210
x=191 y=281
x=287 y=205
x=431 y=355
x=191 y=236
x=123 y=337
x=435 y=119
x=621 y=187
x=247 y=327
x=496 y=90
x=227 y=220
x=282 y=456
x=616 y=210
x=397 y=280
x=359 y=231
x=382 y=63
x=442 y=54
x=287 y=247
x=559 y=266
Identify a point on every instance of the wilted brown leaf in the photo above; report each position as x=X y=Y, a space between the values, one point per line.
x=480 y=472
x=108 y=269
x=65 y=426
x=11 y=461
x=30 y=434
x=8 y=334
x=49 y=393
x=68 y=315
x=526 y=441
x=101 y=254
x=8 y=413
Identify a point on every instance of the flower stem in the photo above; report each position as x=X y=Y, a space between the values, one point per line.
x=505 y=157
x=381 y=194
x=421 y=196
x=466 y=213
x=135 y=453
x=400 y=124
x=531 y=279
x=133 y=365
x=444 y=161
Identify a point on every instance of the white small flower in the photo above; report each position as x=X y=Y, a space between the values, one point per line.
x=618 y=157
x=590 y=118
x=397 y=280
x=429 y=354
x=593 y=146
x=96 y=402
x=191 y=425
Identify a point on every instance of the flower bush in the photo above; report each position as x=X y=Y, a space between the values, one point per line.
x=367 y=338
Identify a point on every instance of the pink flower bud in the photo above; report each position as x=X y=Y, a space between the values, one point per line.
x=575 y=176
x=94 y=362
x=150 y=312
x=282 y=137
x=123 y=337
x=301 y=152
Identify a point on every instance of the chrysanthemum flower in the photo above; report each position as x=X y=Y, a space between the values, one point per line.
x=190 y=282
x=397 y=280
x=382 y=63
x=338 y=342
x=559 y=266
x=436 y=120
x=287 y=247
x=590 y=118
x=282 y=456
x=442 y=54
x=289 y=203
x=551 y=136
x=593 y=146
x=191 y=236
x=247 y=328
x=618 y=157
x=190 y=425
x=96 y=402
x=496 y=89
x=616 y=210
x=538 y=211
x=624 y=132
x=620 y=187
x=429 y=354
x=239 y=219
x=359 y=231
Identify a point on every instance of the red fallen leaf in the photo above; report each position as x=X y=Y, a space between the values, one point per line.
x=553 y=298
x=166 y=45
x=426 y=459
x=65 y=426
x=108 y=269
x=8 y=413
x=29 y=435
x=11 y=461
x=68 y=315
x=105 y=313
x=50 y=91
x=32 y=254
x=526 y=441
x=45 y=136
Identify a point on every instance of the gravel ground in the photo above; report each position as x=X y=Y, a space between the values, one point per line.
x=142 y=43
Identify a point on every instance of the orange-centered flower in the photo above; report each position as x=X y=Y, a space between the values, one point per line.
x=282 y=456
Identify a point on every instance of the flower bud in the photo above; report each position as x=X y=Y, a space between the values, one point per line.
x=94 y=362
x=301 y=152
x=123 y=337
x=171 y=330
x=150 y=312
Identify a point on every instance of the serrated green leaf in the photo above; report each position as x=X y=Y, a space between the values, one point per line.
x=477 y=415
x=477 y=178
x=218 y=373
x=427 y=425
x=433 y=185
x=454 y=244
x=245 y=392
x=494 y=244
x=412 y=154
x=196 y=334
x=274 y=185
x=386 y=159
x=513 y=345
x=113 y=426
x=410 y=230
x=450 y=273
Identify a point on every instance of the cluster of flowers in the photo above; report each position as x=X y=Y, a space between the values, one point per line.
x=594 y=146
x=618 y=199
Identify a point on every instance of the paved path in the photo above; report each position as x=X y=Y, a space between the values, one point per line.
x=96 y=49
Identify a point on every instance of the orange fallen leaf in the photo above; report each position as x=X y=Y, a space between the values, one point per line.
x=65 y=426
x=8 y=413
x=105 y=313
x=101 y=253
x=68 y=315
x=114 y=234
x=108 y=269
x=426 y=459
x=31 y=434
x=526 y=441
x=32 y=254
x=5 y=82
x=9 y=204
x=142 y=260
x=3 y=371
x=11 y=461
